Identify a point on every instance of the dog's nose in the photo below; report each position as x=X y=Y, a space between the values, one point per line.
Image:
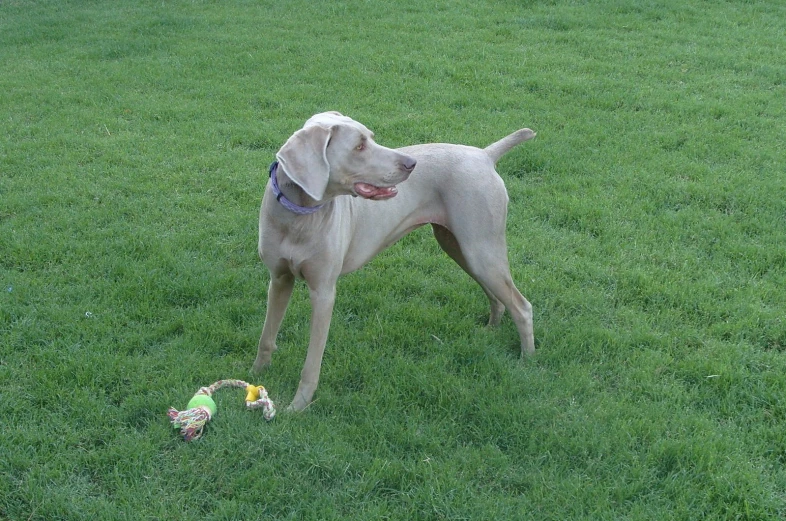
x=408 y=164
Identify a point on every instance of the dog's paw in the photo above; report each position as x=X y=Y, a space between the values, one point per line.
x=299 y=403
x=260 y=365
x=296 y=406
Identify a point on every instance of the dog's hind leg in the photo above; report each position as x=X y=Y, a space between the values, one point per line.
x=447 y=241
x=486 y=260
x=491 y=269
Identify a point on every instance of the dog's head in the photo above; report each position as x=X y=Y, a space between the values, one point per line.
x=335 y=155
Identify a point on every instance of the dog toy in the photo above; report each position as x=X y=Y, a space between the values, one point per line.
x=201 y=408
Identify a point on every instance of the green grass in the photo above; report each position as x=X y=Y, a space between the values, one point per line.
x=647 y=227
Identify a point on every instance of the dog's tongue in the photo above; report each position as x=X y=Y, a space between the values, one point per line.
x=374 y=192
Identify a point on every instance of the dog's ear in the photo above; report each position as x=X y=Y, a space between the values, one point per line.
x=304 y=159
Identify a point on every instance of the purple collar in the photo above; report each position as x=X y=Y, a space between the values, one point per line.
x=281 y=198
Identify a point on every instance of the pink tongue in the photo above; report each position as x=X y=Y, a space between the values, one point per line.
x=374 y=192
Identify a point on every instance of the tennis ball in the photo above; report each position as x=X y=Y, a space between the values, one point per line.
x=202 y=400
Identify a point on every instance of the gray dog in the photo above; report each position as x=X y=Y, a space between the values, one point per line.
x=309 y=230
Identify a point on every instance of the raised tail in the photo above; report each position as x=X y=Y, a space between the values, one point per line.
x=501 y=147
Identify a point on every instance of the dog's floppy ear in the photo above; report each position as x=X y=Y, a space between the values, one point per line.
x=304 y=159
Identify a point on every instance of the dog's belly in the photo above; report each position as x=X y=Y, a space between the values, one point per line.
x=362 y=252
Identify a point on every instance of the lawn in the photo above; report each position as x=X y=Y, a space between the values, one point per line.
x=647 y=226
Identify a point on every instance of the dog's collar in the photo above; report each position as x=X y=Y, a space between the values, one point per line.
x=281 y=198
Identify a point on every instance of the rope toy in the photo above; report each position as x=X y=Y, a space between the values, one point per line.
x=201 y=408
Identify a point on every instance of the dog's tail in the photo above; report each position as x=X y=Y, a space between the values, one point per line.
x=501 y=147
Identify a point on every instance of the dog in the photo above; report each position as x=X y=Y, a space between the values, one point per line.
x=336 y=198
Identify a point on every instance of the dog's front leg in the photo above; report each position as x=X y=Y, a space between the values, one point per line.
x=278 y=295
x=322 y=299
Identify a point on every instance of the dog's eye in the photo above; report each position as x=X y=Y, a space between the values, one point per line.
x=361 y=147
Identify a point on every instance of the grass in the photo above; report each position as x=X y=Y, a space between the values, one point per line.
x=647 y=227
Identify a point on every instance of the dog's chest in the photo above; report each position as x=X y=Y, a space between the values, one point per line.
x=290 y=248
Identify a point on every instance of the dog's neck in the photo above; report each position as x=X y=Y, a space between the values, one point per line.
x=289 y=194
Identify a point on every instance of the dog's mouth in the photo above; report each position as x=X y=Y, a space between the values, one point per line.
x=375 y=193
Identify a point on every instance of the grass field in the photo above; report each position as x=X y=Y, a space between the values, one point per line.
x=647 y=227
